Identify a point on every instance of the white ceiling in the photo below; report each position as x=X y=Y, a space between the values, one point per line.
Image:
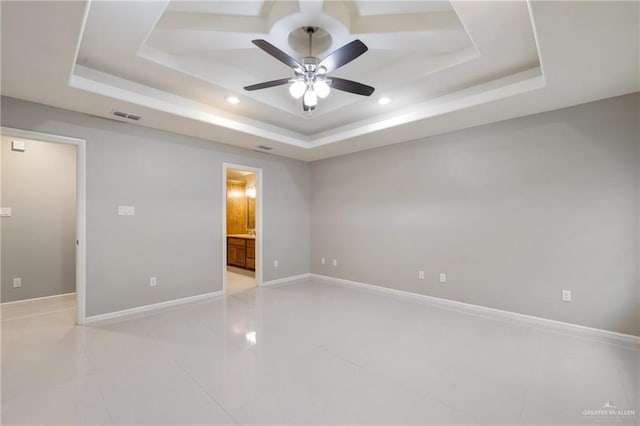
x=445 y=65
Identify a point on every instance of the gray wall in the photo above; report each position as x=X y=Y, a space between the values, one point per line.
x=38 y=240
x=512 y=212
x=175 y=184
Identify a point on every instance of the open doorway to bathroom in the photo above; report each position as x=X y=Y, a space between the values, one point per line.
x=242 y=230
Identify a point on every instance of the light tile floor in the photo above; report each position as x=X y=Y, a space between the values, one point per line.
x=306 y=353
x=240 y=281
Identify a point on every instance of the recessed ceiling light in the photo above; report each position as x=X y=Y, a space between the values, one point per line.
x=384 y=100
x=233 y=100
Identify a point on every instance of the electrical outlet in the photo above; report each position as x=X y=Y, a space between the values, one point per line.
x=153 y=281
x=275 y=263
x=443 y=277
x=421 y=275
x=566 y=295
x=335 y=262
x=17 y=282
x=323 y=260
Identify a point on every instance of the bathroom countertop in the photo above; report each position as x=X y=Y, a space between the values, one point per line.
x=245 y=236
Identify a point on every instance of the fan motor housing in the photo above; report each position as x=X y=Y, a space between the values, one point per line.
x=310 y=63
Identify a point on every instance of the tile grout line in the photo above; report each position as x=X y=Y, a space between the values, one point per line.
x=40 y=314
x=104 y=401
x=624 y=387
x=184 y=370
x=575 y=331
x=533 y=382
x=530 y=384
x=215 y=400
x=399 y=383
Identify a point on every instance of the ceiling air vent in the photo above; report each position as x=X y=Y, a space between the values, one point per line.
x=127 y=115
x=265 y=147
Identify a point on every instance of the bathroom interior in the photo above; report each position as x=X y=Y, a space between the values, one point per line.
x=241 y=230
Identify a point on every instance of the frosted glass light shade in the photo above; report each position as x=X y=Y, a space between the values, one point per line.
x=321 y=88
x=297 y=89
x=310 y=98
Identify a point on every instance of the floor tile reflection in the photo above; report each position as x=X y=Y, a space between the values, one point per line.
x=305 y=353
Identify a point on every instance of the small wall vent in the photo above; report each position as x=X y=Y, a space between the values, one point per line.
x=126 y=115
x=265 y=147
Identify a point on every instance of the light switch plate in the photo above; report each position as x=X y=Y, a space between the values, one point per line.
x=443 y=277
x=17 y=282
x=126 y=210
x=566 y=295
x=5 y=211
x=17 y=146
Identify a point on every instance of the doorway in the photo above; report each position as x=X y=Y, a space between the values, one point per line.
x=242 y=228
x=43 y=223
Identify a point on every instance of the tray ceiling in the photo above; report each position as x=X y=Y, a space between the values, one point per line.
x=176 y=62
x=202 y=52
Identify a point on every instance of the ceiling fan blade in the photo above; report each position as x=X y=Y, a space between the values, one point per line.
x=277 y=53
x=351 y=86
x=267 y=84
x=343 y=55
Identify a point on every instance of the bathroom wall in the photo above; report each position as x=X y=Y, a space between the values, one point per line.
x=236 y=207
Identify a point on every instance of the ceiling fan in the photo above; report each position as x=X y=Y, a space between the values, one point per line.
x=311 y=80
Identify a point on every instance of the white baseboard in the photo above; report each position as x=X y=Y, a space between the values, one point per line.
x=152 y=307
x=285 y=280
x=610 y=336
x=39 y=298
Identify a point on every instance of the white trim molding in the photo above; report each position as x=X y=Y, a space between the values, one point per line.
x=153 y=307
x=286 y=280
x=53 y=296
x=575 y=329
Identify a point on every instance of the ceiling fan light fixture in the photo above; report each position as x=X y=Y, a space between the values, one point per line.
x=310 y=98
x=311 y=81
x=297 y=89
x=321 y=88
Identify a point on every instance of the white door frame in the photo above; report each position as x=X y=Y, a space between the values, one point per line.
x=259 y=198
x=81 y=208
